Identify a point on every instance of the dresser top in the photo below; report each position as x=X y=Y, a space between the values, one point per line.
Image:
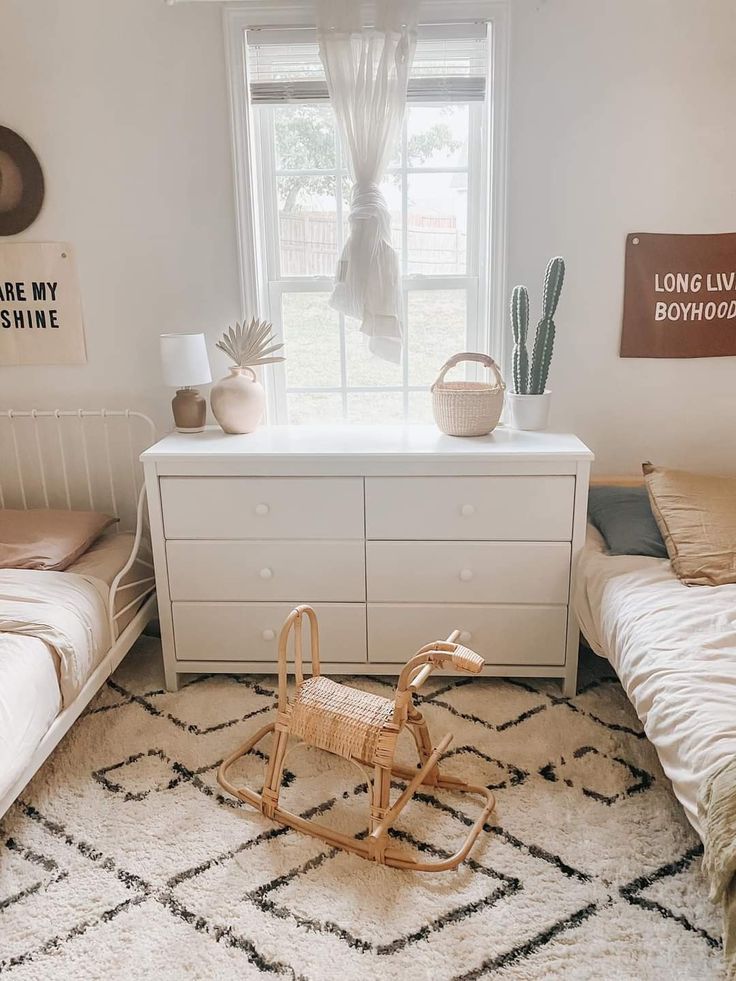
x=365 y=449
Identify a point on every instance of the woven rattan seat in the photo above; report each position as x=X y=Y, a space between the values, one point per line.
x=342 y=720
x=364 y=728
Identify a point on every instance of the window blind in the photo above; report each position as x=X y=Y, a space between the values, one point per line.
x=450 y=65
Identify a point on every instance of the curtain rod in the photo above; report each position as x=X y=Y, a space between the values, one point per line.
x=307 y=27
x=313 y=27
x=292 y=13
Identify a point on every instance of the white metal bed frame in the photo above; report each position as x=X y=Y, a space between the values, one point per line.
x=38 y=452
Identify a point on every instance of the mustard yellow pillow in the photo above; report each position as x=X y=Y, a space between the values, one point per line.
x=696 y=515
x=43 y=538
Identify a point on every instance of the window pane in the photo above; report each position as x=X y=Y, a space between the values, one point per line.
x=437 y=136
x=307 y=226
x=374 y=408
x=311 y=341
x=314 y=407
x=391 y=190
x=305 y=202
x=304 y=137
x=437 y=223
x=437 y=330
x=397 y=150
x=420 y=407
x=364 y=368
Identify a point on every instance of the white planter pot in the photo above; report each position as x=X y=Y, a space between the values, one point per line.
x=238 y=401
x=529 y=411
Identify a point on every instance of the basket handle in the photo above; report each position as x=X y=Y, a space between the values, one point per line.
x=485 y=359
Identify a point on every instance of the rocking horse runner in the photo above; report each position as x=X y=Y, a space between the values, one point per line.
x=363 y=728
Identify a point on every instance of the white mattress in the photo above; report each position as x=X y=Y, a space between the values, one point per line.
x=30 y=695
x=674 y=649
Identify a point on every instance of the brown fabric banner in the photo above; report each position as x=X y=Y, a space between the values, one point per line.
x=679 y=296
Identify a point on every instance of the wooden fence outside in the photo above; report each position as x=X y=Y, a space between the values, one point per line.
x=309 y=244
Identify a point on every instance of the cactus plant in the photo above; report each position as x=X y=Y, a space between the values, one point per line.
x=533 y=380
x=545 y=336
x=520 y=324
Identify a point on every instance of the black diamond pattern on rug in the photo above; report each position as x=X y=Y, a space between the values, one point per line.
x=513 y=705
x=275 y=898
x=24 y=872
x=684 y=904
x=150 y=838
x=617 y=780
x=137 y=776
x=484 y=769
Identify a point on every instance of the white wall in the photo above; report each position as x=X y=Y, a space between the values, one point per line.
x=622 y=119
x=124 y=101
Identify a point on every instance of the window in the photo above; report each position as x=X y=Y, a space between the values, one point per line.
x=438 y=190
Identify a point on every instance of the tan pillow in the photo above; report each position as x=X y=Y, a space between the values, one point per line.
x=47 y=539
x=696 y=515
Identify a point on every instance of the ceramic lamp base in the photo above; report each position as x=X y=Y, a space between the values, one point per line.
x=190 y=411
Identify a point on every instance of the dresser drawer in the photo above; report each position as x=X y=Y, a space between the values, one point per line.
x=472 y=572
x=472 y=508
x=250 y=631
x=298 y=572
x=262 y=507
x=500 y=634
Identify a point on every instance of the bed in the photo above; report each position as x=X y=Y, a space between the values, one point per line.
x=673 y=648
x=63 y=633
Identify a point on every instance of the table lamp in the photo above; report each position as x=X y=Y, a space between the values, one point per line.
x=185 y=364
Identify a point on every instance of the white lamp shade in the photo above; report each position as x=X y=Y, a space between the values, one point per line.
x=184 y=360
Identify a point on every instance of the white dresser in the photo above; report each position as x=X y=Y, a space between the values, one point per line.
x=396 y=535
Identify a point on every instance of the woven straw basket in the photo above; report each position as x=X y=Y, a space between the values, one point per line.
x=468 y=408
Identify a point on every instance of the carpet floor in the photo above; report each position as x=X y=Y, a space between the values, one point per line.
x=123 y=858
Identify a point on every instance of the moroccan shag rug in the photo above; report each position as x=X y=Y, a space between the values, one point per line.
x=123 y=859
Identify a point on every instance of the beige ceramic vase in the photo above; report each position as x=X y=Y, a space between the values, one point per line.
x=238 y=401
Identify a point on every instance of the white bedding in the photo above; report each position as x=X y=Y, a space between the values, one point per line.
x=66 y=611
x=53 y=634
x=30 y=700
x=103 y=561
x=674 y=649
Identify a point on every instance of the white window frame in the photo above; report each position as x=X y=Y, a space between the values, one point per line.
x=490 y=303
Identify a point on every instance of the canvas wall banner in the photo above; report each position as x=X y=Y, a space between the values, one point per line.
x=40 y=307
x=679 y=296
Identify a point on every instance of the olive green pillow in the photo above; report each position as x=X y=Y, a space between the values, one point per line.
x=696 y=515
x=624 y=517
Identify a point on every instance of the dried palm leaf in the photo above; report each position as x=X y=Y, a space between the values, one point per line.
x=251 y=344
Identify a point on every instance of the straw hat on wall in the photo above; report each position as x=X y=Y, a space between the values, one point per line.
x=21 y=183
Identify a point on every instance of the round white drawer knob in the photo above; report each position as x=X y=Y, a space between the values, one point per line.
x=467 y=510
x=466 y=575
x=262 y=509
x=465 y=636
x=266 y=573
x=268 y=634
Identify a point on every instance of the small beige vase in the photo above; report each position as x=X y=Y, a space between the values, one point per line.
x=238 y=401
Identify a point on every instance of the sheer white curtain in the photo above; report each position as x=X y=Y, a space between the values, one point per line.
x=367 y=72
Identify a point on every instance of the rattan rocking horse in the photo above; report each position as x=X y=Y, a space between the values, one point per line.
x=363 y=728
